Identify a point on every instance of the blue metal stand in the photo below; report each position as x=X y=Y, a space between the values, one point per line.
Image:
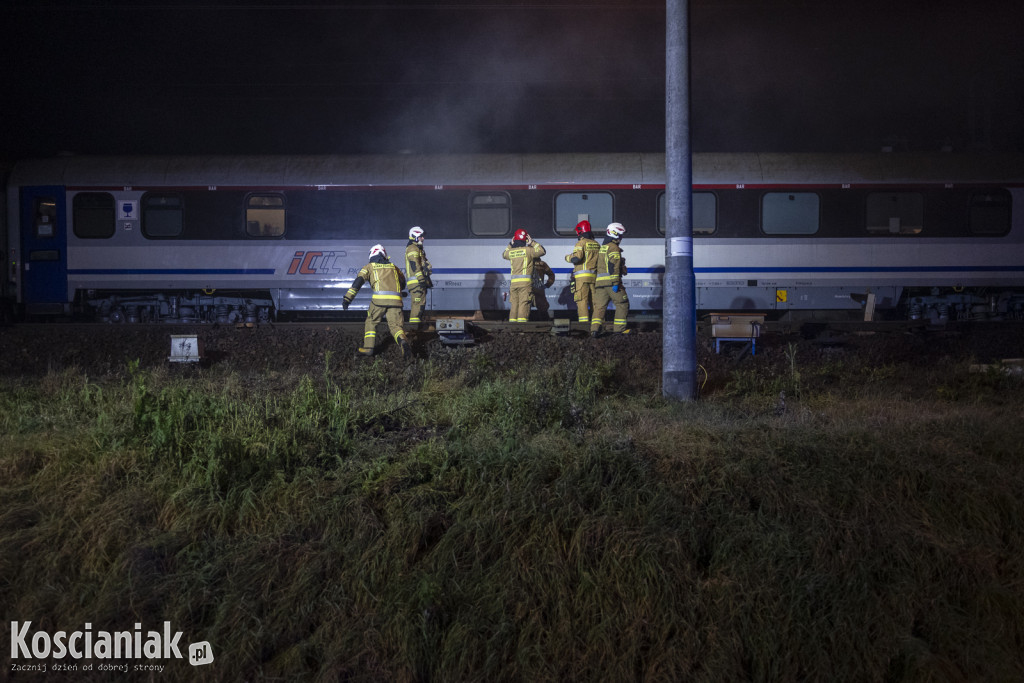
x=751 y=340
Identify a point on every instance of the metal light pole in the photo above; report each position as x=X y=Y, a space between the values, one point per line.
x=679 y=324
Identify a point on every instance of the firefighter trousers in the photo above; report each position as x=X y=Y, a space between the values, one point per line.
x=377 y=314
x=418 y=301
x=602 y=297
x=584 y=298
x=519 y=303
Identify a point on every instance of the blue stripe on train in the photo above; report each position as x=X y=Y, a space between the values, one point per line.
x=862 y=269
x=787 y=269
x=171 y=271
x=632 y=271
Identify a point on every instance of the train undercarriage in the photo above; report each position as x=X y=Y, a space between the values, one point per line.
x=938 y=305
x=178 y=307
x=932 y=305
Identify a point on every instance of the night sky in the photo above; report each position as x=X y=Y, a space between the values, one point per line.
x=479 y=76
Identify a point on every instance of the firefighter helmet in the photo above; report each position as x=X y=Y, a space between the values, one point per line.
x=416 y=234
x=615 y=230
x=378 y=249
x=582 y=228
x=520 y=236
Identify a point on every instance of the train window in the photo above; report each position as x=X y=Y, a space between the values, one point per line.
x=989 y=213
x=264 y=215
x=46 y=217
x=93 y=215
x=161 y=215
x=490 y=213
x=895 y=213
x=705 y=213
x=790 y=213
x=573 y=207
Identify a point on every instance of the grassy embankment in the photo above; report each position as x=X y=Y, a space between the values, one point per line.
x=481 y=526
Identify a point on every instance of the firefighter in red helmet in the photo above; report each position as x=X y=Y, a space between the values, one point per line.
x=387 y=282
x=584 y=261
x=522 y=251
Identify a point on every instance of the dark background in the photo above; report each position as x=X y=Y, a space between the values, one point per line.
x=479 y=76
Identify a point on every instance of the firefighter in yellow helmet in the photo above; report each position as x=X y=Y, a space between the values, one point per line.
x=611 y=266
x=387 y=282
x=417 y=275
x=522 y=251
x=584 y=272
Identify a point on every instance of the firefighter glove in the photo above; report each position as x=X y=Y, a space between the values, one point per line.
x=615 y=288
x=345 y=302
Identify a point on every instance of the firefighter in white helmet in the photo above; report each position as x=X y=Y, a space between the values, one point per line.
x=417 y=276
x=386 y=302
x=611 y=267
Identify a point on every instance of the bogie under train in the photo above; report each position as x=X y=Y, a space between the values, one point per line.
x=247 y=239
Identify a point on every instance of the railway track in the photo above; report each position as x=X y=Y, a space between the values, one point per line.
x=36 y=349
x=640 y=324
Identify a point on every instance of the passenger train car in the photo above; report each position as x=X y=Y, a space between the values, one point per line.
x=255 y=238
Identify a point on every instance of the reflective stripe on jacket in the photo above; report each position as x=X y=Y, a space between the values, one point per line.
x=609 y=265
x=416 y=264
x=587 y=251
x=522 y=257
x=387 y=282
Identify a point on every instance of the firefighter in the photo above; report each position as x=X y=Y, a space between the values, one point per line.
x=387 y=282
x=584 y=261
x=611 y=267
x=417 y=274
x=522 y=251
x=543 y=278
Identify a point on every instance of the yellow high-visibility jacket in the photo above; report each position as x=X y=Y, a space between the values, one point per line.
x=417 y=267
x=586 y=251
x=385 y=278
x=522 y=256
x=611 y=265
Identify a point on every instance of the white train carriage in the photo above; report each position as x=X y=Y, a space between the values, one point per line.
x=249 y=238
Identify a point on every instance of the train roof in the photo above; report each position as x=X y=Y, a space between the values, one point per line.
x=516 y=169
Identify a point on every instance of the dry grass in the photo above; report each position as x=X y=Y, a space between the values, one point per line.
x=478 y=524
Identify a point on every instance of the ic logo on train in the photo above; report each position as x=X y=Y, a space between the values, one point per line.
x=317 y=263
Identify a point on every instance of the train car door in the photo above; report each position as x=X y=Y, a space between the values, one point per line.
x=44 y=257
